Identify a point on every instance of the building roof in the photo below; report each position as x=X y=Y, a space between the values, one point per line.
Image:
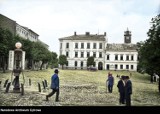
x=3 y=16
x=90 y=37
x=29 y=30
x=121 y=47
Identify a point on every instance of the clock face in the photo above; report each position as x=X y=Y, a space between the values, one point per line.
x=127 y=37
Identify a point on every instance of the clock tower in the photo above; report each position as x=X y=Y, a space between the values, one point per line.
x=127 y=36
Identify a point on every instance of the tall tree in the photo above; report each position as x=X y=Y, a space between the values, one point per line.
x=46 y=57
x=38 y=53
x=149 y=51
x=62 y=60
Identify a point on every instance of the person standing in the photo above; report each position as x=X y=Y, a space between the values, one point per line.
x=54 y=86
x=107 y=81
x=121 y=89
x=110 y=83
x=128 y=90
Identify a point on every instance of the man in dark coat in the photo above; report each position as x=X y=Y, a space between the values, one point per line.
x=121 y=89
x=128 y=91
x=54 y=86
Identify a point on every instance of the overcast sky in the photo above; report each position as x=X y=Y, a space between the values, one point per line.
x=53 y=19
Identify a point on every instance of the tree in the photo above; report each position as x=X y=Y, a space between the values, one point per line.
x=27 y=47
x=6 y=41
x=149 y=51
x=39 y=53
x=90 y=61
x=62 y=60
x=35 y=51
x=54 y=60
x=46 y=58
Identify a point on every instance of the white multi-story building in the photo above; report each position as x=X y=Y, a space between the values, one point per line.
x=26 y=33
x=17 y=29
x=121 y=57
x=78 y=48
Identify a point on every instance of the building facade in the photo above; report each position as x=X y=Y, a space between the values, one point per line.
x=26 y=33
x=17 y=29
x=78 y=48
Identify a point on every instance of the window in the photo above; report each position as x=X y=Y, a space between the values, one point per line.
x=107 y=57
x=132 y=57
x=116 y=57
x=94 y=54
x=82 y=45
x=88 y=54
x=132 y=67
x=67 y=54
x=100 y=45
x=76 y=54
x=94 y=45
x=88 y=45
x=67 y=45
x=107 y=66
x=127 y=66
x=127 y=57
x=138 y=57
x=75 y=63
x=81 y=63
x=121 y=66
x=116 y=66
x=76 y=45
x=82 y=54
x=100 y=54
x=121 y=57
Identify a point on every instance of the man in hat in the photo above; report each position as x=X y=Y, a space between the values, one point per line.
x=128 y=90
x=121 y=89
x=54 y=86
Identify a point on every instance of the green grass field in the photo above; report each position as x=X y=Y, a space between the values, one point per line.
x=80 y=88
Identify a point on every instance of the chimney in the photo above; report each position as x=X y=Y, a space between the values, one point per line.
x=75 y=34
x=87 y=33
x=104 y=33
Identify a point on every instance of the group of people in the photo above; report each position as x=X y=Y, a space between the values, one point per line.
x=125 y=90
x=124 y=87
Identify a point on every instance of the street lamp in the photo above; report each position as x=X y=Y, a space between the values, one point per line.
x=17 y=66
x=18 y=45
